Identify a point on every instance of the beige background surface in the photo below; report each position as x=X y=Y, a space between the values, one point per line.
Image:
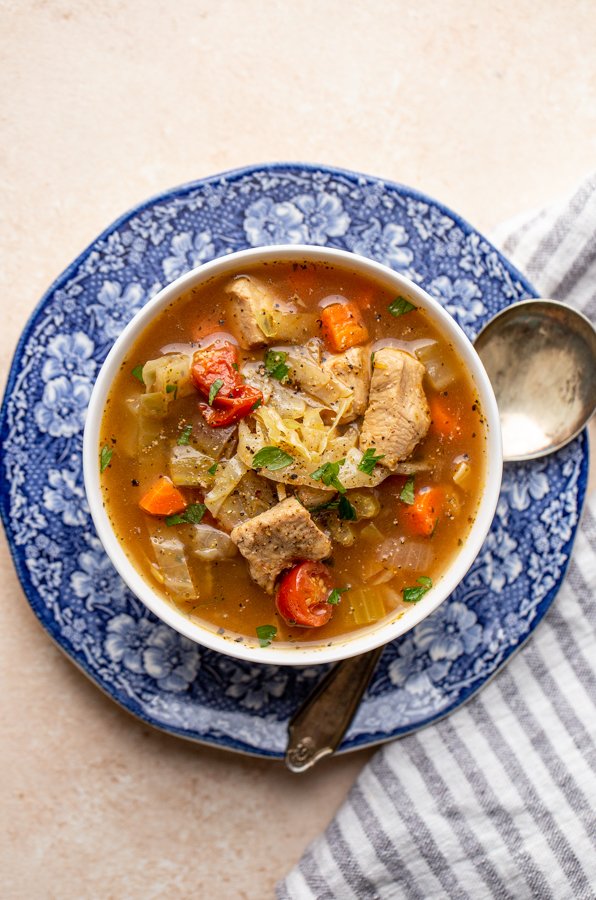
x=489 y=106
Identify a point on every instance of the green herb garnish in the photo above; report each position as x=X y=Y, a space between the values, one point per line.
x=256 y=404
x=345 y=510
x=335 y=595
x=399 y=306
x=213 y=469
x=372 y=360
x=185 y=436
x=172 y=389
x=214 y=390
x=407 y=492
x=328 y=474
x=414 y=594
x=265 y=634
x=271 y=458
x=323 y=507
x=192 y=515
x=104 y=458
x=369 y=460
x=275 y=364
x=137 y=373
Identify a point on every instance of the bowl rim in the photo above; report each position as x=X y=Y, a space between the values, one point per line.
x=366 y=638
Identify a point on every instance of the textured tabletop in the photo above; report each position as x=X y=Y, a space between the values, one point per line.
x=491 y=111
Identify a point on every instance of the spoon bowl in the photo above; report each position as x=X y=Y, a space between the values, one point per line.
x=540 y=357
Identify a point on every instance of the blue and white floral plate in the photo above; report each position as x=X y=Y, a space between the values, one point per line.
x=155 y=673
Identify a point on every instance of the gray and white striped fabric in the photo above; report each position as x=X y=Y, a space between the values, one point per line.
x=499 y=799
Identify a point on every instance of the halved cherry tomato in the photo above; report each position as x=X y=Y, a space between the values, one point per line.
x=302 y=594
x=234 y=399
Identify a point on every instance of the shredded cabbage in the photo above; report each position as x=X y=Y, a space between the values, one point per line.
x=190 y=467
x=211 y=544
x=168 y=375
x=172 y=568
x=228 y=474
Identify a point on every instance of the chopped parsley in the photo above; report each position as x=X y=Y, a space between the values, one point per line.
x=399 y=306
x=192 y=515
x=172 y=389
x=369 y=460
x=345 y=510
x=271 y=458
x=213 y=469
x=416 y=593
x=104 y=458
x=185 y=436
x=214 y=390
x=256 y=404
x=328 y=474
x=407 y=492
x=265 y=634
x=335 y=595
x=275 y=364
x=372 y=360
x=137 y=373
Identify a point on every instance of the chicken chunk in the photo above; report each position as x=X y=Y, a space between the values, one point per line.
x=351 y=368
x=397 y=417
x=250 y=298
x=275 y=539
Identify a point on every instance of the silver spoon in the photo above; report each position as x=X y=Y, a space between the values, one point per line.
x=540 y=356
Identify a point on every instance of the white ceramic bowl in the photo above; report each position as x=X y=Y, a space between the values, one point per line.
x=373 y=635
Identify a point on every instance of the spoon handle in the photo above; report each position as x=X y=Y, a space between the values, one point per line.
x=316 y=729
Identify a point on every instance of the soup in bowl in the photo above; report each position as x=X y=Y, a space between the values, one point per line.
x=292 y=454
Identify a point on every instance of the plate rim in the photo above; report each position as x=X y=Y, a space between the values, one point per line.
x=228 y=742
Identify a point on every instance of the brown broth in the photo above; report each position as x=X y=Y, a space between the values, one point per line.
x=236 y=604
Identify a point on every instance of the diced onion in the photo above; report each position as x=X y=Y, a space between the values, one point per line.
x=463 y=471
x=440 y=373
x=396 y=554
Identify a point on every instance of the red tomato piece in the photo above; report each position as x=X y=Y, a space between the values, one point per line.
x=231 y=409
x=302 y=595
x=234 y=399
x=214 y=362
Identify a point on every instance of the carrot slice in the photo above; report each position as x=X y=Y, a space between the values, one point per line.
x=343 y=326
x=163 y=498
x=443 y=420
x=422 y=516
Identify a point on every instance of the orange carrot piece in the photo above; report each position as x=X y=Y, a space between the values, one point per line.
x=444 y=420
x=163 y=498
x=343 y=326
x=422 y=516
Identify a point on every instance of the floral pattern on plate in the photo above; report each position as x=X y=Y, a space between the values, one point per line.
x=149 y=669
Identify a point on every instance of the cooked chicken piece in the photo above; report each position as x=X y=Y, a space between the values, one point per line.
x=250 y=298
x=397 y=417
x=272 y=541
x=352 y=368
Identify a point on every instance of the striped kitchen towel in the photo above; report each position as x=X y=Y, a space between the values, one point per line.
x=499 y=799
